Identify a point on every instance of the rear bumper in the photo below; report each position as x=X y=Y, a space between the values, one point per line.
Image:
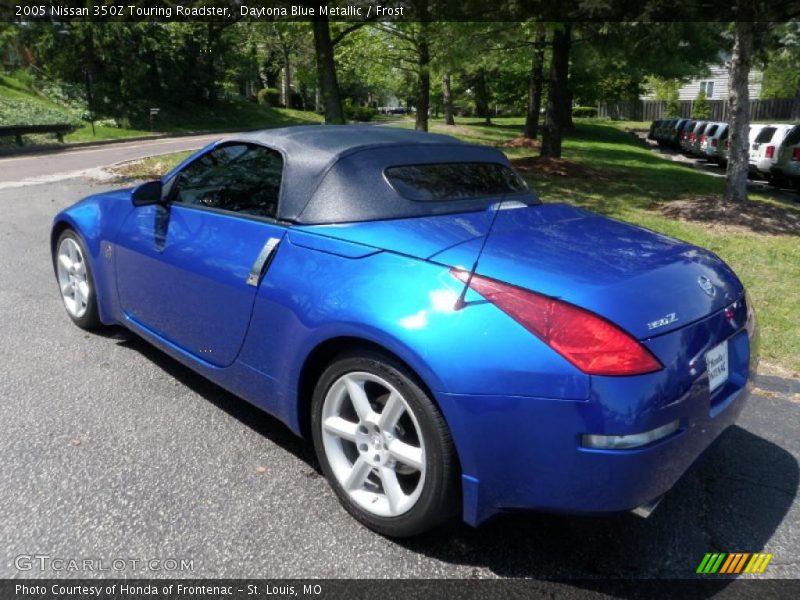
x=526 y=453
x=781 y=174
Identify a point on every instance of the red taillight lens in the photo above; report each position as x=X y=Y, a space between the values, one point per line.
x=591 y=343
x=770 y=152
x=714 y=142
x=702 y=139
x=796 y=154
x=691 y=137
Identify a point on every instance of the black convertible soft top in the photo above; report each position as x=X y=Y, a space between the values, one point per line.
x=336 y=174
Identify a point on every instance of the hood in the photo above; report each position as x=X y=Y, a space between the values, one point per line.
x=646 y=283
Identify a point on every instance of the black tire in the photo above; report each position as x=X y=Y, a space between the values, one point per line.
x=440 y=497
x=90 y=319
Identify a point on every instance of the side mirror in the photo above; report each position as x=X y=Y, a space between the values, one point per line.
x=147 y=193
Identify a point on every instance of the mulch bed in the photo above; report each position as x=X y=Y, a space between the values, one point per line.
x=758 y=217
x=560 y=167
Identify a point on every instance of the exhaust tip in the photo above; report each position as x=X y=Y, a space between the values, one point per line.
x=645 y=510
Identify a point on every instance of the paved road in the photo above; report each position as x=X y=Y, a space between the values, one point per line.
x=110 y=449
x=23 y=170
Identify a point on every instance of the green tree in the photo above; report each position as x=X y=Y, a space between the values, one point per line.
x=701 y=109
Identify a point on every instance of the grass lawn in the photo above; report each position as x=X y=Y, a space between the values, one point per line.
x=609 y=171
x=228 y=116
x=20 y=104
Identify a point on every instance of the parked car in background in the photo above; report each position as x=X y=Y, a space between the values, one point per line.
x=677 y=132
x=696 y=139
x=764 y=148
x=686 y=132
x=654 y=126
x=786 y=170
x=661 y=131
x=711 y=142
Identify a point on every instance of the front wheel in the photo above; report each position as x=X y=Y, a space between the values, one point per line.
x=384 y=446
x=75 y=281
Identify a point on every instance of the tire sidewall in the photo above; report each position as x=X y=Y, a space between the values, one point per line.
x=432 y=506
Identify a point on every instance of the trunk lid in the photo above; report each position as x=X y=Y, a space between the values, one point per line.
x=645 y=282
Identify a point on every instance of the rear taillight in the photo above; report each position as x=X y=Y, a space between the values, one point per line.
x=770 y=151
x=796 y=154
x=714 y=142
x=591 y=343
x=691 y=137
x=702 y=139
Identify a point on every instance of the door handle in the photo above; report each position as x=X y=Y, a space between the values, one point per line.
x=261 y=260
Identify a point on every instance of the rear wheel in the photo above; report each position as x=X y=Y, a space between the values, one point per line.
x=75 y=280
x=384 y=446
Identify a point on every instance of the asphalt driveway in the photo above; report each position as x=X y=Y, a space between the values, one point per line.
x=113 y=450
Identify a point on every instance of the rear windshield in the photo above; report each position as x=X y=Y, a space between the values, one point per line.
x=792 y=137
x=700 y=128
x=765 y=135
x=711 y=130
x=454 y=181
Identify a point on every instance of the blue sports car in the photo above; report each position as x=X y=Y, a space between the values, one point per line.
x=450 y=344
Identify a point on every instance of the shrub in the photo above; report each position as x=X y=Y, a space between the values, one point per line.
x=21 y=112
x=358 y=113
x=269 y=97
x=584 y=111
x=701 y=109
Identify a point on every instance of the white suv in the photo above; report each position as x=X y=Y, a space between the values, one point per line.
x=764 y=148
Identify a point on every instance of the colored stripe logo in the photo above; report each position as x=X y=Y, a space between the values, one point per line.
x=734 y=563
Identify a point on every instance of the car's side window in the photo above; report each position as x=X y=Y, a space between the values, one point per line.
x=243 y=178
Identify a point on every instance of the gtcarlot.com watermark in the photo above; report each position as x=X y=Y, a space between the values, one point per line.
x=60 y=564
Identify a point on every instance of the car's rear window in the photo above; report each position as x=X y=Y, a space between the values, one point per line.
x=765 y=135
x=711 y=130
x=792 y=137
x=454 y=181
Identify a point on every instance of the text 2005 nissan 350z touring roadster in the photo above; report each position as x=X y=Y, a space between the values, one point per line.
x=450 y=343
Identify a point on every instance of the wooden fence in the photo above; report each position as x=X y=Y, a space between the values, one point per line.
x=649 y=110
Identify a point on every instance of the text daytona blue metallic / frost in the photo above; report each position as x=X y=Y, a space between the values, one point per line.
x=45 y=562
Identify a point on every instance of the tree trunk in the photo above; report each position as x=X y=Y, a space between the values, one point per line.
x=531 y=130
x=482 y=97
x=557 y=94
x=286 y=87
x=326 y=72
x=736 y=177
x=447 y=95
x=423 y=82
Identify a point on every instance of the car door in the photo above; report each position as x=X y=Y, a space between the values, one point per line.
x=189 y=267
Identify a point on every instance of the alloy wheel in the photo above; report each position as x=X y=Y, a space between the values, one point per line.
x=373 y=443
x=73 y=279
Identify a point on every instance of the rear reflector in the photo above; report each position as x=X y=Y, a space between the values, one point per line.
x=769 y=152
x=626 y=442
x=591 y=343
